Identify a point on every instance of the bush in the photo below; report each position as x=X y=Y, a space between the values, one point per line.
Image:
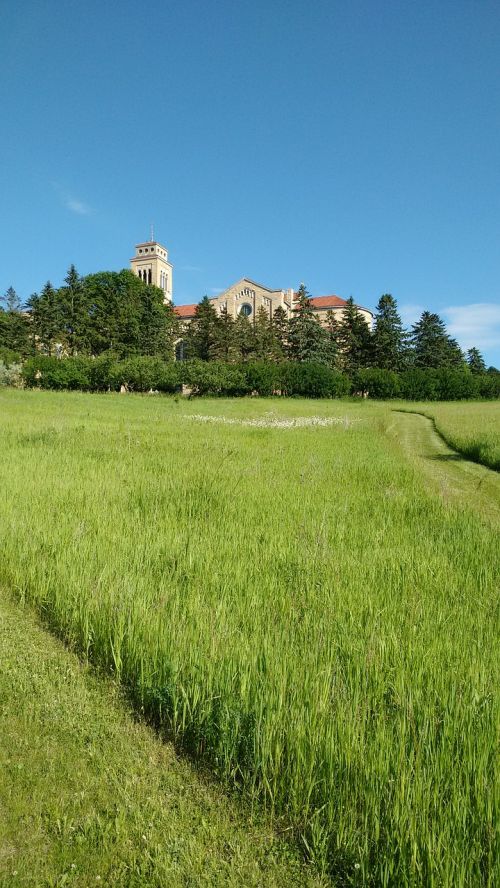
x=140 y=374
x=382 y=384
x=215 y=378
x=311 y=380
x=102 y=372
x=9 y=357
x=456 y=385
x=419 y=385
x=11 y=374
x=58 y=373
x=308 y=380
x=262 y=377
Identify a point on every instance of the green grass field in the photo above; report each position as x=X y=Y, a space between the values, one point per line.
x=299 y=605
x=89 y=796
x=471 y=428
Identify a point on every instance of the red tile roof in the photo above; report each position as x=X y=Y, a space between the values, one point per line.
x=185 y=311
x=326 y=302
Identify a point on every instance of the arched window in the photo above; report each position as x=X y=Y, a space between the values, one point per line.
x=149 y=276
x=246 y=310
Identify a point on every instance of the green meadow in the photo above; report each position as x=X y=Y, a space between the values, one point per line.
x=473 y=430
x=302 y=595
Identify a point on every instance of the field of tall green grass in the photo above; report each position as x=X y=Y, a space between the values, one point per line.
x=276 y=586
x=472 y=428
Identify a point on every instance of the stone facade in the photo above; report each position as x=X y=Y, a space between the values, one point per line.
x=246 y=297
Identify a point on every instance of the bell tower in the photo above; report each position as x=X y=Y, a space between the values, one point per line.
x=151 y=264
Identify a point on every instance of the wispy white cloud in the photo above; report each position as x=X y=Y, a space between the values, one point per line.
x=476 y=324
x=77 y=206
x=216 y=289
x=70 y=201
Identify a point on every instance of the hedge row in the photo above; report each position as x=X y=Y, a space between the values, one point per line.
x=143 y=374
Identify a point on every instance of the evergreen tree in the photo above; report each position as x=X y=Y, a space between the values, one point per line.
x=47 y=319
x=201 y=335
x=280 y=329
x=15 y=333
x=475 y=361
x=244 y=338
x=388 y=338
x=431 y=345
x=308 y=341
x=333 y=333
x=266 y=346
x=224 y=347
x=11 y=301
x=14 y=325
x=75 y=311
x=354 y=339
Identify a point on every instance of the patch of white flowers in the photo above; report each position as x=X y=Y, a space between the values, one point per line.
x=272 y=422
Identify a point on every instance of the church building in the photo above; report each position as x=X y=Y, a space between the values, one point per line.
x=245 y=297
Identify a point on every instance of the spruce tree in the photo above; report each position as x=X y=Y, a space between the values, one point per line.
x=75 y=312
x=308 y=341
x=354 y=339
x=244 y=338
x=475 y=361
x=47 y=318
x=14 y=325
x=388 y=337
x=265 y=343
x=224 y=347
x=11 y=301
x=333 y=333
x=280 y=329
x=431 y=345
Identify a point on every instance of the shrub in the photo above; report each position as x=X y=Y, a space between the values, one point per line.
x=312 y=380
x=11 y=374
x=8 y=356
x=382 y=384
x=140 y=374
x=419 y=385
x=262 y=377
x=102 y=373
x=57 y=373
x=215 y=377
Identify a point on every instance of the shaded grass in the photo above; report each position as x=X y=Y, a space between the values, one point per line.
x=292 y=603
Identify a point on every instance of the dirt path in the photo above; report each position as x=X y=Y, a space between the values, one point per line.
x=457 y=479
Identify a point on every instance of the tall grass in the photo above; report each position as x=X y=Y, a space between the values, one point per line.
x=290 y=602
x=472 y=429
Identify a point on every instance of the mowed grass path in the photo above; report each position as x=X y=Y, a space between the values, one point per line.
x=90 y=797
x=296 y=605
x=471 y=428
x=454 y=477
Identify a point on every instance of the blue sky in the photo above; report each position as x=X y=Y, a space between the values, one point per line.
x=354 y=146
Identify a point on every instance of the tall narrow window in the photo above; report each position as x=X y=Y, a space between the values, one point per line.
x=149 y=276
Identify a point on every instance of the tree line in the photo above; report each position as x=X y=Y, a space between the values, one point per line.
x=117 y=313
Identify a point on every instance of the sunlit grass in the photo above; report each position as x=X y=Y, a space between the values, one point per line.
x=471 y=428
x=291 y=602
